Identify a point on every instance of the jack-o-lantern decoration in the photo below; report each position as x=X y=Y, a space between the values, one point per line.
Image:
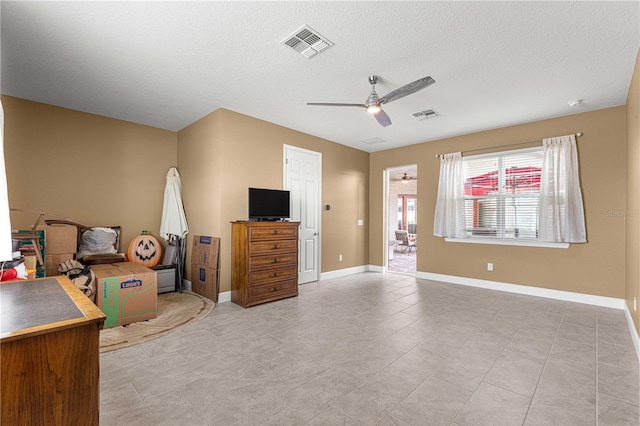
x=145 y=250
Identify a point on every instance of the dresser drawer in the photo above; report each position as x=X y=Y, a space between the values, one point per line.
x=272 y=275
x=273 y=233
x=264 y=265
x=273 y=291
x=264 y=247
x=276 y=260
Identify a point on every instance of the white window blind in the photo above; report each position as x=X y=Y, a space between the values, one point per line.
x=502 y=194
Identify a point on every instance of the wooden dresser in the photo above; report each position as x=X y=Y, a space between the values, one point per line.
x=264 y=265
x=50 y=338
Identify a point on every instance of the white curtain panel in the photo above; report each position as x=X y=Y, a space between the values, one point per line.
x=449 y=218
x=561 y=217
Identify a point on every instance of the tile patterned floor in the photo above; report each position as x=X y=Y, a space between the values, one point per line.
x=403 y=262
x=385 y=349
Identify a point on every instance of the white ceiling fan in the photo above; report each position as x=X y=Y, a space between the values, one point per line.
x=374 y=103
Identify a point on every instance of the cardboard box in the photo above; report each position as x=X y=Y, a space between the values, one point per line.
x=206 y=251
x=61 y=239
x=205 y=281
x=52 y=261
x=126 y=292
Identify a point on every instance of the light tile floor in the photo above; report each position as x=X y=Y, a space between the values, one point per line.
x=383 y=349
x=403 y=262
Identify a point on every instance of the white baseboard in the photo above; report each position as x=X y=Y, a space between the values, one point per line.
x=589 y=299
x=186 y=284
x=632 y=329
x=346 y=271
x=376 y=268
x=225 y=296
x=608 y=302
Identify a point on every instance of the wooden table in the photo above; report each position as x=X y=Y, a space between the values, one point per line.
x=49 y=349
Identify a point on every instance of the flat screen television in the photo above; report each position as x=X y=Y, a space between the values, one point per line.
x=268 y=204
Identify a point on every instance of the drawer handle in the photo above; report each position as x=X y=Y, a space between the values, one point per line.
x=275 y=274
x=275 y=260
x=275 y=246
x=275 y=231
x=273 y=288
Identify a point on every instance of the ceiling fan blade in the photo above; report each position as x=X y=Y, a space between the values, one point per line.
x=407 y=89
x=334 y=104
x=382 y=118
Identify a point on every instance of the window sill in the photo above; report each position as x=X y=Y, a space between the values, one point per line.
x=507 y=242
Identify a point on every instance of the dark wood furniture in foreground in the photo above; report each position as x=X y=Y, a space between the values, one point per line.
x=264 y=262
x=49 y=344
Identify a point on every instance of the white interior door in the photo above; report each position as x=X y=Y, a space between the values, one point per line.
x=303 y=177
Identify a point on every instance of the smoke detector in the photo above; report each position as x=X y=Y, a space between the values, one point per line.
x=575 y=103
x=307 y=42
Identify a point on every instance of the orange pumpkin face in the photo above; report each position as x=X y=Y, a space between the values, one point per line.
x=145 y=250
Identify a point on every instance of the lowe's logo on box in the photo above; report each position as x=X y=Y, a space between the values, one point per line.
x=131 y=284
x=203 y=274
x=205 y=240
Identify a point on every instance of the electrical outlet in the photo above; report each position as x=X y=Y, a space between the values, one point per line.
x=635 y=304
x=360 y=222
x=340 y=257
x=489 y=266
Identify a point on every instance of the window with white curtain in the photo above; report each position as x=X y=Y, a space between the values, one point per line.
x=527 y=196
x=502 y=194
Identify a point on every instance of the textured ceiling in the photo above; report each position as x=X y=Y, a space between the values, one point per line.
x=167 y=64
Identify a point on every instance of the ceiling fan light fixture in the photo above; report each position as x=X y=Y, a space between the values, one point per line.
x=374 y=102
x=373 y=109
x=406 y=179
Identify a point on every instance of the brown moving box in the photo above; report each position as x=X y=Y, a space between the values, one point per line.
x=126 y=292
x=206 y=251
x=60 y=239
x=205 y=281
x=52 y=261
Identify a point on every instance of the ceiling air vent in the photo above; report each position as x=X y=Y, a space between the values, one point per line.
x=307 y=42
x=373 y=140
x=427 y=113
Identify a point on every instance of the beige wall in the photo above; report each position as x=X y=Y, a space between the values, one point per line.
x=593 y=268
x=100 y=171
x=633 y=196
x=90 y=169
x=199 y=161
x=249 y=153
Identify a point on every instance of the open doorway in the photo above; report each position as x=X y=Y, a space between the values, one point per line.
x=402 y=225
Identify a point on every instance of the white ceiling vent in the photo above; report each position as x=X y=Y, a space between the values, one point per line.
x=427 y=113
x=373 y=140
x=307 y=42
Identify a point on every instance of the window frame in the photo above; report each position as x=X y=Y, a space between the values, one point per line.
x=405 y=198
x=501 y=240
